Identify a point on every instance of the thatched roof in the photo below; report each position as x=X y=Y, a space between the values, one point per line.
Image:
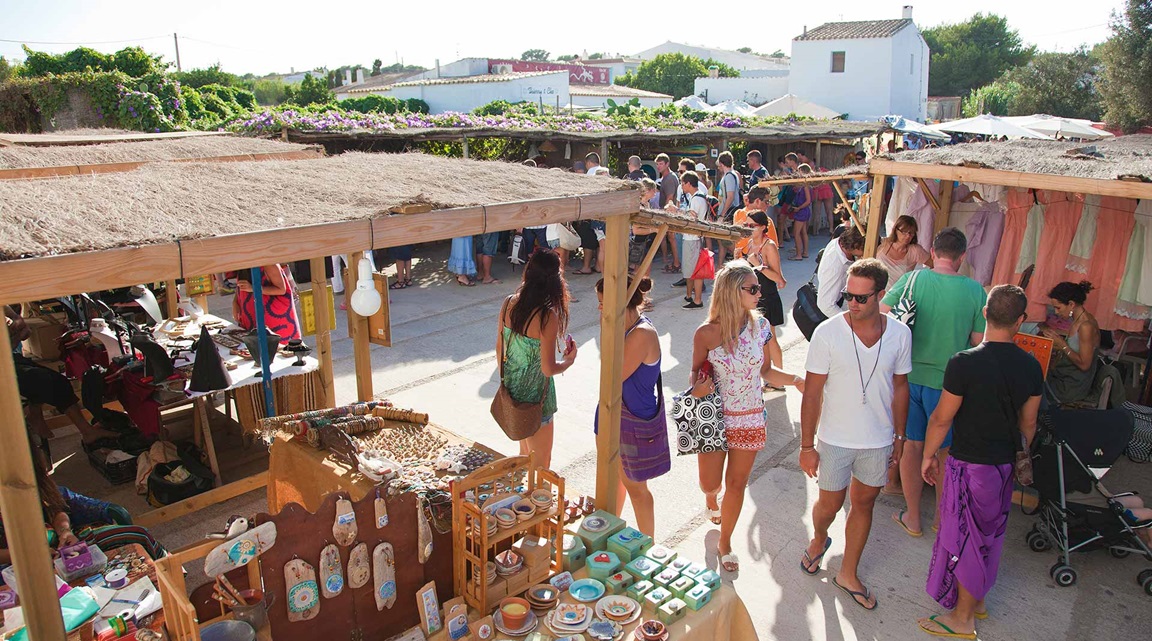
x=837 y=129
x=97 y=136
x=164 y=202
x=1124 y=156
x=151 y=150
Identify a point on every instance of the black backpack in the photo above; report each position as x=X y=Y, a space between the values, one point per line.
x=805 y=311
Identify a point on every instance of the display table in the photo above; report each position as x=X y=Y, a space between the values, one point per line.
x=300 y=473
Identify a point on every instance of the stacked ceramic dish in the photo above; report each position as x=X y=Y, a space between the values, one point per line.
x=542 y=499
x=651 y=630
x=601 y=630
x=542 y=597
x=621 y=609
x=505 y=518
x=493 y=525
x=524 y=509
x=586 y=590
x=569 y=618
x=508 y=563
x=489 y=574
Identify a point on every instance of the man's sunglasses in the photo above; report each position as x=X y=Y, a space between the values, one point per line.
x=752 y=289
x=859 y=298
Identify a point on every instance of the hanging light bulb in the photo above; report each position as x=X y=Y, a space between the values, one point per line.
x=365 y=300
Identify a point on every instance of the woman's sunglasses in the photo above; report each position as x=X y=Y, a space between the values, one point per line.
x=752 y=289
x=859 y=298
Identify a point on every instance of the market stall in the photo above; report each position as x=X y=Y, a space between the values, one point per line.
x=247 y=214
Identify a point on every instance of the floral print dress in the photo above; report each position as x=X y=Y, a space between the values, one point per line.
x=738 y=381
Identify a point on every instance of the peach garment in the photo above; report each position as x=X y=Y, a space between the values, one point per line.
x=1019 y=203
x=1061 y=217
x=1114 y=223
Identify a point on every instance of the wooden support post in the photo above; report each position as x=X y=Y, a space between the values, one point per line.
x=171 y=300
x=202 y=301
x=358 y=326
x=604 y=152
x=327 y=391
x=464 y=143
x=819 y=157
x=875 y=212
x=945 y=208
x=201 y=421
x=848 y=204
x=611 y=362
x=647 y=262
x=929 y=195
x=20 y=503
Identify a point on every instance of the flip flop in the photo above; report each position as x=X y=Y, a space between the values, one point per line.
x=806 y=564
x=584 y=273
x=885 y=491
x=866 y=594
x=469 y=283
x=947 y=631
x=730 y=559
x=713 y=516
x=899 y=518
x=795 y=258
x=981 y=615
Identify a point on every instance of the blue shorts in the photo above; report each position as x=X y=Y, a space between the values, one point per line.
x=487 y=244
x=547 y=419
x=923 y=403
x=402 y=252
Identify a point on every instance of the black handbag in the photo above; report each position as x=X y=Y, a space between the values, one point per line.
x=805 y=311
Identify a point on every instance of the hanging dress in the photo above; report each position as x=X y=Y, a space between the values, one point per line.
x=1080 y=254
x=279 y=310
x=1114 y=225
x=461 y=260
x=1135 y=296
x=1061 y=216
x=1017 y=207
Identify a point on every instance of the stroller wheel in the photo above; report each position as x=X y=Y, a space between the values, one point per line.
x=1063 y=575
x=1037 y=542
x=1118 y=553
x=1144 y=578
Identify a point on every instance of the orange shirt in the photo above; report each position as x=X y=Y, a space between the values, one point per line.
x=740 y=218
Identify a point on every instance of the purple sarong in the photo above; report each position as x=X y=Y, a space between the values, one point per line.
x=974 y=510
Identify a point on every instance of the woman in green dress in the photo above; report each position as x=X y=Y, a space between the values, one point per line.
x=1073 y=370
x=534 y=328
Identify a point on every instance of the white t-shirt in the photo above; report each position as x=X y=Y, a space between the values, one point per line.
x=831 y=276
x=697 y=208
x=846 y=418
x=592 y=170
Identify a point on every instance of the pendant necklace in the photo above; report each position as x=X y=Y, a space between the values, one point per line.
x=860 y=370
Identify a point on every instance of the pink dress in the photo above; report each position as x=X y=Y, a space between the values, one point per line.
x=738 y=381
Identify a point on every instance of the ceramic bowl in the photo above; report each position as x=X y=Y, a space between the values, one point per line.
x=514 y=611
x=505 y=517
x=524 y=509
x=586 y=590
x=652 y=630
x=541 y=498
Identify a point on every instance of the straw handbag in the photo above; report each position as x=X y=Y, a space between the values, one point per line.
x=519 y=420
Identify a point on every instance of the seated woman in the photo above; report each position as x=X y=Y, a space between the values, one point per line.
x=900 y=252
x=96 y=522
x=1073 y=369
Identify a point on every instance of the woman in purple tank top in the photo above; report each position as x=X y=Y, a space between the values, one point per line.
x=644 y=450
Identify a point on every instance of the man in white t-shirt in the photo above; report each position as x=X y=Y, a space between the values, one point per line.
x=591 y=163
x=696 y=206
x=832 y=272
x=856 y=393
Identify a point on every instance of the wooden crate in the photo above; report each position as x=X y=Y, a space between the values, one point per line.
x=180 y=615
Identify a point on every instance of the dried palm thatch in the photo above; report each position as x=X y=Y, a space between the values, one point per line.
x=20 y=157
x=163 y=202
x=1125 y=156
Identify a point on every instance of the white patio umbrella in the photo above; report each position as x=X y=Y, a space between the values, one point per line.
x=693 y=102
x=1056 y=126
x=734 y=107
x=793 y=104
x=988 y=125
x=905 y=126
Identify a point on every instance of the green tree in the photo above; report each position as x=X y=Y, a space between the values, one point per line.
x=778 y=54
x=5 y=70
x=1127 y=58
x=401 y=68
x=596 y=56
x=312 y=91
x=674 y=74
x=1060 y=84
x=996 y=98
x=213 y=75
x=972 y=54
x=535 y=55
x=376 y=65
x=136 y=62
x=568 y=57
x=269 y=91
x=745 y=50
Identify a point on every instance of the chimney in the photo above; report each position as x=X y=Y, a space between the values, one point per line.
x=347 y=76
x=713 y=71
x=907 y=12
x=291 y=69
x=805 y=29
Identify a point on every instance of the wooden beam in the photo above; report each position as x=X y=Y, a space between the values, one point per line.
x=326 y=395
x=815 y=178
x=465 y=147
x=1118 y=188
x=945 y=208
x=358 y=326
x=683 y=225
x=647 y=262
x=171 y=300
x=875 y=213
x=201 y=501
x=66 y=274
x=28 y=173
x=611 y=363
x=928 y=194
x=20 y=503
x=848 y=203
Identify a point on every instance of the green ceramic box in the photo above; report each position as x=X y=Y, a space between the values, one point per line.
x=655 y=598
x=679 y=564
x=643 y=568
x=574 y=552
x=666 y=577
x=597 y=528
x=629 y=543
x=672 y=611
x=698 y=596
x=694 y=570
x=681 y=586
x=639 y=589
x=710 y=579
x=661 y=554
x=602 y=565
x=619 y=583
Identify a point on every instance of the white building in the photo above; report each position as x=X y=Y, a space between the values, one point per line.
x=469 y=92
x=598 y=95
x=616 y=66
x=866 y=69
x=755 y=90
x=741 y=62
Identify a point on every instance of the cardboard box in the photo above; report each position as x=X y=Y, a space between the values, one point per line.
x=518 y=582
x=42 y=343
x=539 y=575
x=497 y=590
x=535 y=550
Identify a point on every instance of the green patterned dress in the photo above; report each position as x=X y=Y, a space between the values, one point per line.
x=522 y=374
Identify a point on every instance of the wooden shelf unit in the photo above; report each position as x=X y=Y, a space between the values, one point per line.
x=475 y=548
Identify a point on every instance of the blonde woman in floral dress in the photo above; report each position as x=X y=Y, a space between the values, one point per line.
x=734 y=340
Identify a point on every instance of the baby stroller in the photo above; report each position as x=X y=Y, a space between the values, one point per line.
x=1068 y=444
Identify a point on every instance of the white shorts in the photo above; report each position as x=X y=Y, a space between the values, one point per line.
x=689 y=254
x=838 y=465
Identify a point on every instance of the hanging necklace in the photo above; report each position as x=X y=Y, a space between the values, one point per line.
x=859 y=369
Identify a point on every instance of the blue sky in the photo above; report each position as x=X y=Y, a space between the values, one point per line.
x=276 y=36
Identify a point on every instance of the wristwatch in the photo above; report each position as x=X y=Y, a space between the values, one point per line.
x=899 y=437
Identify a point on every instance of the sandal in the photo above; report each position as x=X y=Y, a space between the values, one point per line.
x=899 y=518
x=407 y=282
x=584 y=273
x=397 y=285
x=944 y=630
x=730 y=563
x=714 y=516
x=811 y=566
x=866 y=594
x=466 y=283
